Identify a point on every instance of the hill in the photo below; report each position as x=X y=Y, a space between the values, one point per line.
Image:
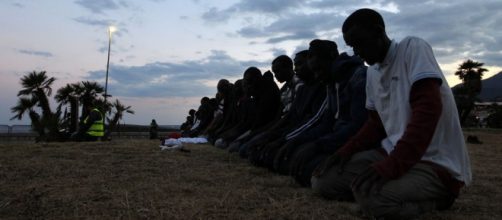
x=492 y=88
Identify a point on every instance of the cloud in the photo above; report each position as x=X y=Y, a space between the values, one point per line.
x=301 y=47
x=452 y=29
x=456 y=30
x=298 y=26
x=277 y=52
x=17 y=4
x=35 y=53
x=347 y=6
x=95 y=22
x=302 y=35
x=166 y=79
x=267 y=6
x=313 y=22
x=216 y=15
x=252 y=32
x=270 y=7
x=121 y=29
x=100 y=6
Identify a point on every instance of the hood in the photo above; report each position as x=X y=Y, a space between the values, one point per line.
x=343 y=67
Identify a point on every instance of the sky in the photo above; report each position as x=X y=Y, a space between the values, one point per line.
x=167 y=54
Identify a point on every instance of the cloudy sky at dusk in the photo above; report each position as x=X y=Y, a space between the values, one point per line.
x=167 y=54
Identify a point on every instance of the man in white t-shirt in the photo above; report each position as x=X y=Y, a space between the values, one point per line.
x=410 y=156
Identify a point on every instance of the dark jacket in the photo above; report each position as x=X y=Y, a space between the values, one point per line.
x=345 y=96
x=352 y=112
x=267 y=102
x=306 y=103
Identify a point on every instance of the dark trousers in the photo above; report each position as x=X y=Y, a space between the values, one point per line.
x=416 y=192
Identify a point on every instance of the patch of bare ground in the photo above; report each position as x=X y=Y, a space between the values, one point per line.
x=133 y=179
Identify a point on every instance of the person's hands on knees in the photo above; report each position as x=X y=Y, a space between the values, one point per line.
x=368 y=181
x=337 y=159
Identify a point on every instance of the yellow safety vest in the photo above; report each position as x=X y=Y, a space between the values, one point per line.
x=97 y=128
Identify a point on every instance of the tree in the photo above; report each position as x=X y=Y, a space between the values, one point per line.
x=36 y=86
x=68 y=95
x=87 y=92
x=471 y=73
x=119 y=110
x=24 y=105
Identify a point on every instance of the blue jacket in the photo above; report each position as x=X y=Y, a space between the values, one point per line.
x=352 y=112
x=345 y=110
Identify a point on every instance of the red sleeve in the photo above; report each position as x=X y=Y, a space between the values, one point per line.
x=368 y=137
x=426 y=107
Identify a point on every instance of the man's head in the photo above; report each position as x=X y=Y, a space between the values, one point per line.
x=223 y=87
x=251 y=80
x=364 y=31
x=89 y=108
x=302 y=69
x=238 y=90
x=322 y=53
x=282 y=66
x=218 y=96
x=191 y=112
x=213 y=103
x=222 y=84
x=204 y=100
x=92 y=104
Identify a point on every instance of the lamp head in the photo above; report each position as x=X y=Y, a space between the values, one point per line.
x=112 y=29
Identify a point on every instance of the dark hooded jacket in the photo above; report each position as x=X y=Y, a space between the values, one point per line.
x=345 y=99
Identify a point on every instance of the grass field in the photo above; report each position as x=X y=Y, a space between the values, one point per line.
x=133 y=179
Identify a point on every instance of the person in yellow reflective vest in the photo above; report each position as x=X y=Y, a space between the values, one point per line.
x=92 y=127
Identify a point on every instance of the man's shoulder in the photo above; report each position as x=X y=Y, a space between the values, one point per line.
x=359 y=74
x=411 y=42
x=95 y=112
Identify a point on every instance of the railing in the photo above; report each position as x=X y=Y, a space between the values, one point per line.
x=17 y=132
x=24 y=132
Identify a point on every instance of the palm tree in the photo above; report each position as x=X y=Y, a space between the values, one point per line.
x=68 y=95
x=36 y=87
x=88 y=91
x=38 y=84
x=24 y=105
x=65 y=94
x=120 y=109
x=471 y=73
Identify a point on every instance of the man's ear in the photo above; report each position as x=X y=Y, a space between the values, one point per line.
x=379 y=30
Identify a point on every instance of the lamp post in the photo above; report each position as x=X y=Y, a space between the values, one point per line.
x=111 y=29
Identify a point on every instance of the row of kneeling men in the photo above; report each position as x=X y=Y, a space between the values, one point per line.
x=386 y=136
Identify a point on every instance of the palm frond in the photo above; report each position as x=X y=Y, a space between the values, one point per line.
x=24 y=104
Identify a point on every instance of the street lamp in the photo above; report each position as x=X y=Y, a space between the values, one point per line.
x=111 y=29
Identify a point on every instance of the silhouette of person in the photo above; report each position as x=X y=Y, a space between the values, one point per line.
x=92 y=127
x=154 y=129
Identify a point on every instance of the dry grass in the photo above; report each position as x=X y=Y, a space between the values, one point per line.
x=135 y=180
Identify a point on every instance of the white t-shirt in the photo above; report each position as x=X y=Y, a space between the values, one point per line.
x=388 y=89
